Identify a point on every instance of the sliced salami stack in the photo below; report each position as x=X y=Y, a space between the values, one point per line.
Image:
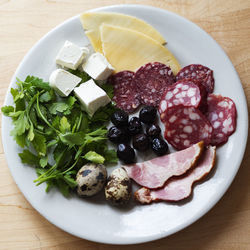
x=198 y=72
x=188 y=109
x=185 y=126
x=222 y=116
x=152 y=80
x=145 y=86
x=126 y=95
x=185 y=92
x=191 y=115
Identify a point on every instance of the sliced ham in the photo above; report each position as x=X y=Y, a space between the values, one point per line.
x=179 y=188
x=154 y=173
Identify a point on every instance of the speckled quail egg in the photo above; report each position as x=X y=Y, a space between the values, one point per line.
x=90 y=179
x=118 y=188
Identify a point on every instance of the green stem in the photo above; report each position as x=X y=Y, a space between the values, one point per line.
x=42 y=116
x=67 y=170
x=79 y=123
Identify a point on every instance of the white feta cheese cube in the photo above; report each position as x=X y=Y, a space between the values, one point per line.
x=71 y=55
x=63 y=82
x=91 y=96
x=98 y=67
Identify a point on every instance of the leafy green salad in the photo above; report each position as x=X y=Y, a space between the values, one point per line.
x=57 y=136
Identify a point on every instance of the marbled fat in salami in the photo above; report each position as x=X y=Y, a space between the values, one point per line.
x=152 y=80
x=185 y=126
x=126 y=95
x=222 y=116
x=198 y=72
x=187 y=92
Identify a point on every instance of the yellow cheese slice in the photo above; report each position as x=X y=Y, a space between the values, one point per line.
x=127 y=49
x=91 y=22
x=95 y=40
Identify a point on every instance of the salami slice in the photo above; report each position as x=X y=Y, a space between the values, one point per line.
x=126 y=95
x=179 y=188
x=185 y=126
x=198 y=72
x=152 y=80
x=222 y=115
x=188 y=92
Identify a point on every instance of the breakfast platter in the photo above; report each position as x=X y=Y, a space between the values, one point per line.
x=127 y=117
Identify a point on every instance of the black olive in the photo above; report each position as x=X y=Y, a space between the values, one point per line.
x=159 y=146
x=118 y=135
x=120 y=118
x=147 y=114
x=134 y=126
x=125 y=153
x=153 y=130
x=141 y=142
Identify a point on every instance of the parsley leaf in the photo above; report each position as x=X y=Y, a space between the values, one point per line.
x=29 y=158
x=94 y=157
x=57 y=136
x=58 y=107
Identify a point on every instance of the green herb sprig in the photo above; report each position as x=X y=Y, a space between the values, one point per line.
x=58 y=137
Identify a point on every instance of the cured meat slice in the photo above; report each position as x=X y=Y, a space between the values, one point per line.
x=198 y=72
x=187 y=92
x=185 y=126
x=179 y=188
x=126 y=95
x=222 y=116
x=151 y=80
x=154 y=173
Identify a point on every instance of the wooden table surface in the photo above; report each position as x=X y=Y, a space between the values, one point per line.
x=24 y=22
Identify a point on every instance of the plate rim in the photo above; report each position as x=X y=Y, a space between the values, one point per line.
x=178 y=228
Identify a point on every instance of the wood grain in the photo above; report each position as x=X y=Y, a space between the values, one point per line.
x=226 y=226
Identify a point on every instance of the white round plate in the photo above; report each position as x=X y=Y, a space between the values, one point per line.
x=94 y=219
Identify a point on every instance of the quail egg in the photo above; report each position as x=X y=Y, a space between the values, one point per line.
x=90 y=179
x=118 y=188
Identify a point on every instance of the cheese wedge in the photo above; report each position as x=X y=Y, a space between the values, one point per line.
x=91 y=22
x=126 y=49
